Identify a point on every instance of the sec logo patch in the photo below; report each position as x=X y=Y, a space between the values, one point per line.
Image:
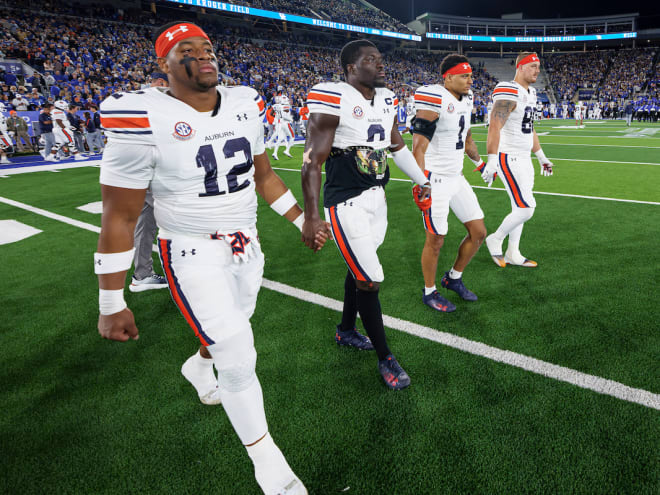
x=183 y=131
x=358 y=113
x=450 y=108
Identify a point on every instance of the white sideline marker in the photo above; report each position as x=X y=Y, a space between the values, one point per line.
x=96 y=207
x=560 y=373
x=14 y=231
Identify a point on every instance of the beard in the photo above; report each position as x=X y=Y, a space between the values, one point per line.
x=379 y=82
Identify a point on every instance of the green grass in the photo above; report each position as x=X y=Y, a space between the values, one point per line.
x=84 y=415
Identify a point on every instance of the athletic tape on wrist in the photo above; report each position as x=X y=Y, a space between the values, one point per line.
x=113 y=262
x=476 y=162
x=284 y=203
x=298 y=222
x=541 y=156
x=111 y=301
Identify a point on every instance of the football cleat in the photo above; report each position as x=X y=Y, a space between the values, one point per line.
x=203 y=379
x=393 y=374
x=79 y=157
x=518 y=259
x=51 y=158
x=495 y=249
x=288 y=154
x=148 y=283
x=274 y=157
x=456 y=284
x=353 y=338
x=435 y=301
x=4 y=159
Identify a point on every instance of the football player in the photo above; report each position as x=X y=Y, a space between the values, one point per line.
x=63 y=132
x=6 y=143
x=283 y=128
x=511 y=136
x=441 y=136
x=352 y=126
x=579 y=115
x=200 y=148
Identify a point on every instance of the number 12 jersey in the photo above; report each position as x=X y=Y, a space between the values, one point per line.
x=200 y=166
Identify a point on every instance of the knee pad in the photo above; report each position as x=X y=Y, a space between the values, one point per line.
x=524 y=214
x=235 y=359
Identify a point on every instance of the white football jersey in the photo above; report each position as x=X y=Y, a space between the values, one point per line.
x=58 y=114
x=444 y=155
x=3 y=123
x=517 y=135
x=362 y=122
x=199 y=166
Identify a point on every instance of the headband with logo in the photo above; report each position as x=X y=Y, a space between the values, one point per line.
x=528 y=60
x=462 y=68
x=174 y=34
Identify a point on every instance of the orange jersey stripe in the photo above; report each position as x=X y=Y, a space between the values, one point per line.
x=175 y=294
x=509 y=179
x=506 y=90
x=396 y=102
x=334 y=222
x=260 y=104
x=429 y=99
x=326 y=98
x=125 y=122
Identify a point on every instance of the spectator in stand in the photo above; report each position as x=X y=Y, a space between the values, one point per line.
x=46 y=128
x=17 y=128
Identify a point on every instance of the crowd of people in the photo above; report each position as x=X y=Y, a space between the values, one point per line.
x=84 y=62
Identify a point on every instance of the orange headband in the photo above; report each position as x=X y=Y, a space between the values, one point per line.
x=174 y=34
x=528 y=60
x=462 y=68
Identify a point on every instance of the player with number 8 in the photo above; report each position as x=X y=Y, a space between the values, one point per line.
x=511 y=137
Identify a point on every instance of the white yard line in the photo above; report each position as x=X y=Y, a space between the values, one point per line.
x=619 y=200
x=546 y=143
x=549 y=370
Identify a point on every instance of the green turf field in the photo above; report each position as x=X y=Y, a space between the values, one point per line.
x=87 y=416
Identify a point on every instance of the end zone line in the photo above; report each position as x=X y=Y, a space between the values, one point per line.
x=549 y=370
x=560 y=373
x=535 y=192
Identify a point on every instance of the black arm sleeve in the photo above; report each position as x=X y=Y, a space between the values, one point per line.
x=424 y=127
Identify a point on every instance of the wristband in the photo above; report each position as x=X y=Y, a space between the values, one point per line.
x=541 y=156
x=298 y=222
x=284 y=203
x=111 y=301
x=477 y=163
x=113 y=262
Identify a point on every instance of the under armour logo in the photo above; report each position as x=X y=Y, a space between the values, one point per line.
x=98 y=262
x=170 y=36
x=192 y=252
x=241 y=117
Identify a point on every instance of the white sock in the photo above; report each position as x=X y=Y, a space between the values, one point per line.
x=429 y=290
x=517 y=217
x=270 y=467
x=514 y=240
x=453 y=274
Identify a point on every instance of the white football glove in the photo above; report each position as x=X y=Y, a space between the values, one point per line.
x=490 y=170
x=546 y=165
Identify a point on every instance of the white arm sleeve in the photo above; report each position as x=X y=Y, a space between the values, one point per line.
x=405 y=160
x=127 y=165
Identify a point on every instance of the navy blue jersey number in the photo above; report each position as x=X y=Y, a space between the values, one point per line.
x=373 y=130
x=527 y=122
x=461 y=127
x=206 y=159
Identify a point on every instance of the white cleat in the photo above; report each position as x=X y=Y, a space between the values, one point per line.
x=272 y=472
x=148 y=283
x=288 y=154
x=51 y=158
x=78 y=157
x=202 y=377
x=4 y=160
x=275 y=157
x=293 y=487
x=495 y=249
x=518 y=259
